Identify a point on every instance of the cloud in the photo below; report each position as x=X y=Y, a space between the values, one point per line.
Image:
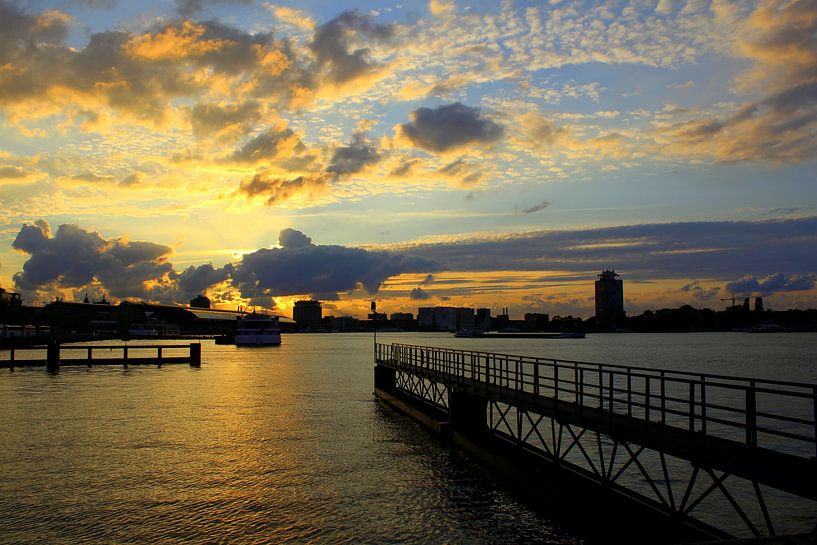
x=536 y=208
x=449 y=127
x=74 y=257
x=196 y=280
x=771 y=284
x=780 y=39
x=418 y=294
x=278 y=190
x=711 y=250
x=333 y=49
x=290 y=239
x=223 y=122
x=534 y=130
x=10 y=172
x=428 y=280
x=354 y=157
x=272 y=144
x=292 y=16
x=191 y=8
x=309 y=268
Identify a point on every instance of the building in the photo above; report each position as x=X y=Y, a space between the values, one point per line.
x=10 y=299
x=609 y=300
x=200 y=302
x=408 y=316
x=483 y=320
x=535 y=321
x=445 y=318
x=307 y=314
x=502 y=321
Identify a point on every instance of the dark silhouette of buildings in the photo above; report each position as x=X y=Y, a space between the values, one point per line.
x=200 y=302
x=609 y=300
x=307 y=314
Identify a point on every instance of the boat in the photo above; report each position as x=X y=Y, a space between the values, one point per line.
x=469 y=333
x=257 y=330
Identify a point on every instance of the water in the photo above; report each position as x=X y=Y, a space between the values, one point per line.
x=287 y=445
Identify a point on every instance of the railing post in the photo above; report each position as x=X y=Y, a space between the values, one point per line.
x=159 y=349
x=601 y=389
x=536 y=378
x=691 y=406
x=703 y=404
x=814 y=408
x=629 y=393
x=11 y=358
x=647 y=400
x=556 y=380
x=751 y=415
x=663 y=400
x=90 y=355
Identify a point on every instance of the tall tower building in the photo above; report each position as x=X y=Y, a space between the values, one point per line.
x=609 y=299
x=308 y=314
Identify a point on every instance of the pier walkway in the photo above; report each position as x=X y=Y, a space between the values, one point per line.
x=714 y=456
x=54 y=356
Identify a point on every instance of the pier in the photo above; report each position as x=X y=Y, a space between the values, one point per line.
x=670 y=456
x=54 y=355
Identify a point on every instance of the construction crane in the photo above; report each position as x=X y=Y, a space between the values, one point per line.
x=730 y=299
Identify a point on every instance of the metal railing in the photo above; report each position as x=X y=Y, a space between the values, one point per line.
x=775 y=414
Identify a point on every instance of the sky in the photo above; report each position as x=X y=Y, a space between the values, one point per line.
x=481 y=154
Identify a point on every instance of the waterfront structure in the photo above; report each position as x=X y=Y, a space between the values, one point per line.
x=307 y=314
x=483 y=319
x=502 y=321
x=641 y=445
x=609 y=299
x=445 y=318
x=200 y=302
x=536 y=321
x=10 y=299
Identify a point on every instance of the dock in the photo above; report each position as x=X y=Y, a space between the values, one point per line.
x=54 y=356
x=660 y=456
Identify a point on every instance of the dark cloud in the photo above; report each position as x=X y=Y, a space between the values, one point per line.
x=536 y=208
x=11 y=172
x=428 y=280
x=191 y=8
x=212 y=119
x=700 y=292
x=278 y=190
x=781 y=38
x=332 y=45
x=290 y=239
x=404 y=169
x=267 y=146
x=196 y=280
x=74 y=257
x=93 y=177
x=450 y=127
x=354 y=157
x=462 y=171
x=418 y=294
x=772 y=284
x=317 y=268
x=712 y=250
x=142 y=73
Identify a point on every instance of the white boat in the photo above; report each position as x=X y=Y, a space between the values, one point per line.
x=257 y=330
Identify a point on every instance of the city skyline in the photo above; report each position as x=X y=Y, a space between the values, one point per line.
x=450 y=153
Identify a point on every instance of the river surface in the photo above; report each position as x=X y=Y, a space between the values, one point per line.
x=288 y=445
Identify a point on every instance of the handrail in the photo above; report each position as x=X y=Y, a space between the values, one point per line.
x=700 y=401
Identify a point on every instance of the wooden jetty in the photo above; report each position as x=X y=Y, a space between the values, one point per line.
x=642 y=450
x=57 y=355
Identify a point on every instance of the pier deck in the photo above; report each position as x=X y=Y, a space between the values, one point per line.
x=600 y=421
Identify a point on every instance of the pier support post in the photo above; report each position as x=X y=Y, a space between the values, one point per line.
x=385 y=378
x=195 y=355
x=468 y=412
x=52 y=358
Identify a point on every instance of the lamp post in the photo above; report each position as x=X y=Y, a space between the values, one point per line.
x=374 y=321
